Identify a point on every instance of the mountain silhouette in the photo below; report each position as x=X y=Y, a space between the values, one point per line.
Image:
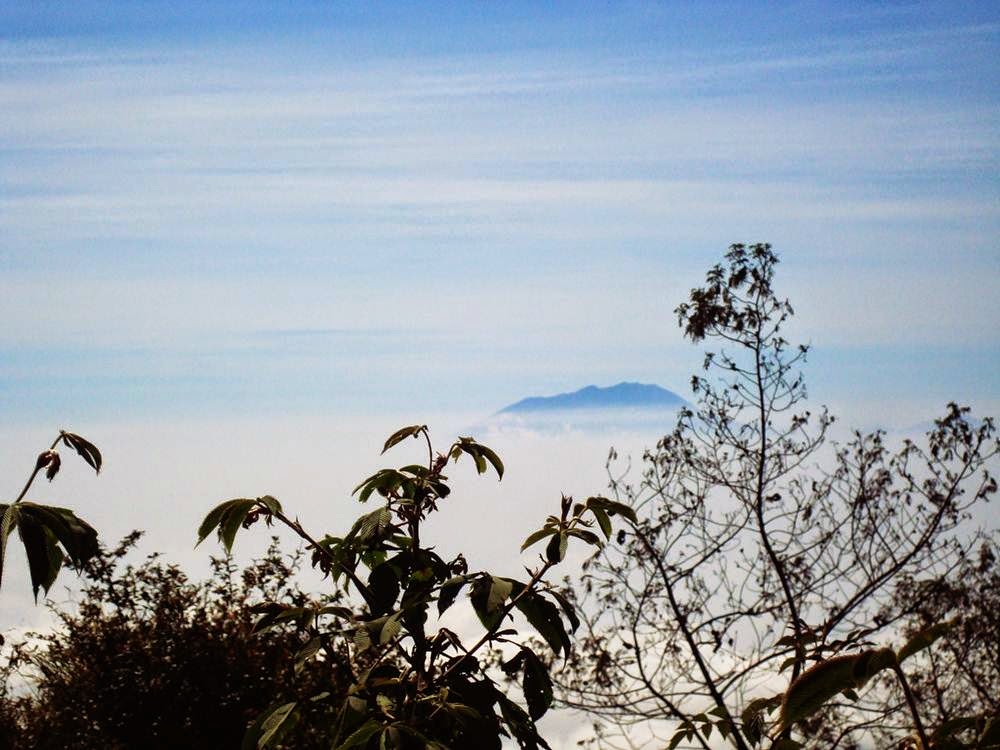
x=623 y=395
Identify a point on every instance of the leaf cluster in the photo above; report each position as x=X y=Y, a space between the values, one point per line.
x=50 y=535
x=417 y=683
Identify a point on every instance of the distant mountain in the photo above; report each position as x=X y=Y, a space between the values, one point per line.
x=621 y=396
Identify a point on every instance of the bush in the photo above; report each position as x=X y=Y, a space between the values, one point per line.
x=150 y=659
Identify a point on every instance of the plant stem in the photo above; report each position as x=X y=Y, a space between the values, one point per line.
x=925 y=743
x=351 y=575
x=34 y=474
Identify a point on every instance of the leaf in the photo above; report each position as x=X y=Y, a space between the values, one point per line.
x=270 y=503
x=270 y=727
x=384 y=586
x=537 y=685
x=361 y=735
x=77 y=537
x=232 y=520
x=544 y=617
x=612 y=508
x=487 y=594
x=603 y=520
x=536 y=537
x=385 y=481
x=44 y=557
x=307 y=652
x=391 y=628
x=494 y=460
x=8 y=522
x=401 y=434
x=211 y=521
x=567 y=608
x=588 y=536
x=480 y=455
x=924 y=639
x=84 y=447
x=520 y=724
x=555 y=550
x=499 y=591
x=449 y=592
x=824 y=680
x=752 y=716
x=372 y=523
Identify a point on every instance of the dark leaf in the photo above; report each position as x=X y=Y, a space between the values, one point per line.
x=536 y=537
x=87 y=450
x=537 y=685
x=924 y=639
x=400 y=435
x=270 y=727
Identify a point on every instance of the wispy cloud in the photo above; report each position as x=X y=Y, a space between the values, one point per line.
x=555 y=195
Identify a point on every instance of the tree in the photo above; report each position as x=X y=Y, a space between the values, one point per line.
x=413 y=686
x=755 y=581
x=150 y=659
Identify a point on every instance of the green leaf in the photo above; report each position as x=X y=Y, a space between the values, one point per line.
x=270 y=727
x=361 y=735
x=227 y=517
x=374 y=523
x=555 y=550
x=588 y=536
x=499 y=591
x=270 y=503
x=612 y=508
x=494 y=460
x=211 y=521
x=232 y=519
x=536 y=537
x=87 y=450
x=480 y=455
x=401 y=434
x=924 y=639
x=603 y=520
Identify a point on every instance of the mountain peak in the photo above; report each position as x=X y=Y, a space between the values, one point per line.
x=622 y=395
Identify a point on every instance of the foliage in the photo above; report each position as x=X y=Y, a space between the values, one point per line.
x=49 y=534
x=150 y=659
x=415 y=686
x=757 y=595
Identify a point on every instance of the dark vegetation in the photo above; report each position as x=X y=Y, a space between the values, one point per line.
x=757 y=586
x=150 y=659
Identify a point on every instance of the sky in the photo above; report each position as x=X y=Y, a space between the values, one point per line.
x=240 y=242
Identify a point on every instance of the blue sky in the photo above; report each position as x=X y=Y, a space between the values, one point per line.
x=231 y=208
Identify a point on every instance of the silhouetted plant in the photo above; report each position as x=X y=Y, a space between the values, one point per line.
x=417 y=685
x=757 y=593
x=49 y=534
x=150 y=659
